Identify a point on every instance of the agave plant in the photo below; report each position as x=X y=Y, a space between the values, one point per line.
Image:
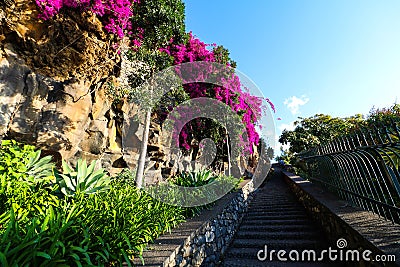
x=39 y=169
x=82 y=179
x=194 y=179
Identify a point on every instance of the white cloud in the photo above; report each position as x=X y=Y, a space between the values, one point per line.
x=289 y=126
x=293 y=103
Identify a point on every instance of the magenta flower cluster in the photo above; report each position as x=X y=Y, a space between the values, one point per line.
x=231 y=93
x=114 y=14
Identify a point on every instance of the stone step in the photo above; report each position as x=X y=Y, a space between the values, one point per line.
x=249 y=222
x=271 y=205
x=278 y=228
x=285 y=202
x=274 y=209
x=272 y=212
x=277 y=235
x=283 y=243
x=277 y=220
x=275 y=217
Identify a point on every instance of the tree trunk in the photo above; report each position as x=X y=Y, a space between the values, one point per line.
x=143 y=151
x=229 y=152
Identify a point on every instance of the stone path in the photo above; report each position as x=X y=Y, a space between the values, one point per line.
x=275 y=219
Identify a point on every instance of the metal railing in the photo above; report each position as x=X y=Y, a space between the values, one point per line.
x=362 y=168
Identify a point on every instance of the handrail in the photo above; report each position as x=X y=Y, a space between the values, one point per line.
x=362 y=168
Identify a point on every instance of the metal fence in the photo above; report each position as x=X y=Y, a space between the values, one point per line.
x=363 y=168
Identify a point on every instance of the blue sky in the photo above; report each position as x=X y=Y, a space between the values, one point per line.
x=338 y=57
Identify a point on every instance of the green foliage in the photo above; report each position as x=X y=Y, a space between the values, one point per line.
x=31 y=199
x=160 y=20
x=23 y=163
x=318 y=129
x=125 y=219
x=384 y=116
x=201 y=178
x=194 y=179
x=14 y=158
x=54 y=237
x=25 y=178
x=126 y=175
x=153 y=58
x=156 y=24
x=83 y=179
x=95 y=229
x=221 y=55
x=40 y=169
x=287 y=156
x=91 y=227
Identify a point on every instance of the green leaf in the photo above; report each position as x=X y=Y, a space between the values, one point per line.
x=3 y=260
x=90 y=169
x=78 y=249
x=81 y=169
x=68 y=182
x=66 y=168
x=44 y=255
x=75 y=256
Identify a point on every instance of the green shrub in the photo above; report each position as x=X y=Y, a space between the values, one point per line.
x=55 y=237
x=194 y=179
x=111 y=226
x=25 y=178
x=125 y=219
x=82 y=179
x=197 y=179
x=40 y=170
x=21 y=162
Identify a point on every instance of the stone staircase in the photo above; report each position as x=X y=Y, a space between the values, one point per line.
x=275 y=219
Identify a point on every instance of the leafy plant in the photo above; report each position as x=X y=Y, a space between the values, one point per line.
x=54 y=237
x=39 y=169
x=318 y=129
x=25 y=178
x=201 y=178
x=125 y=219
x=14 y=157
x=194 y=179
x=82 y=179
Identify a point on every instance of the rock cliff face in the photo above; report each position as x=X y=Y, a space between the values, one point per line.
x=70 y=46
x=53 y=83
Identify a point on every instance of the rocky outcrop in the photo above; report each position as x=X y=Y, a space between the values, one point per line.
x=53 y=85
x=72 y=45
x=73 y=118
